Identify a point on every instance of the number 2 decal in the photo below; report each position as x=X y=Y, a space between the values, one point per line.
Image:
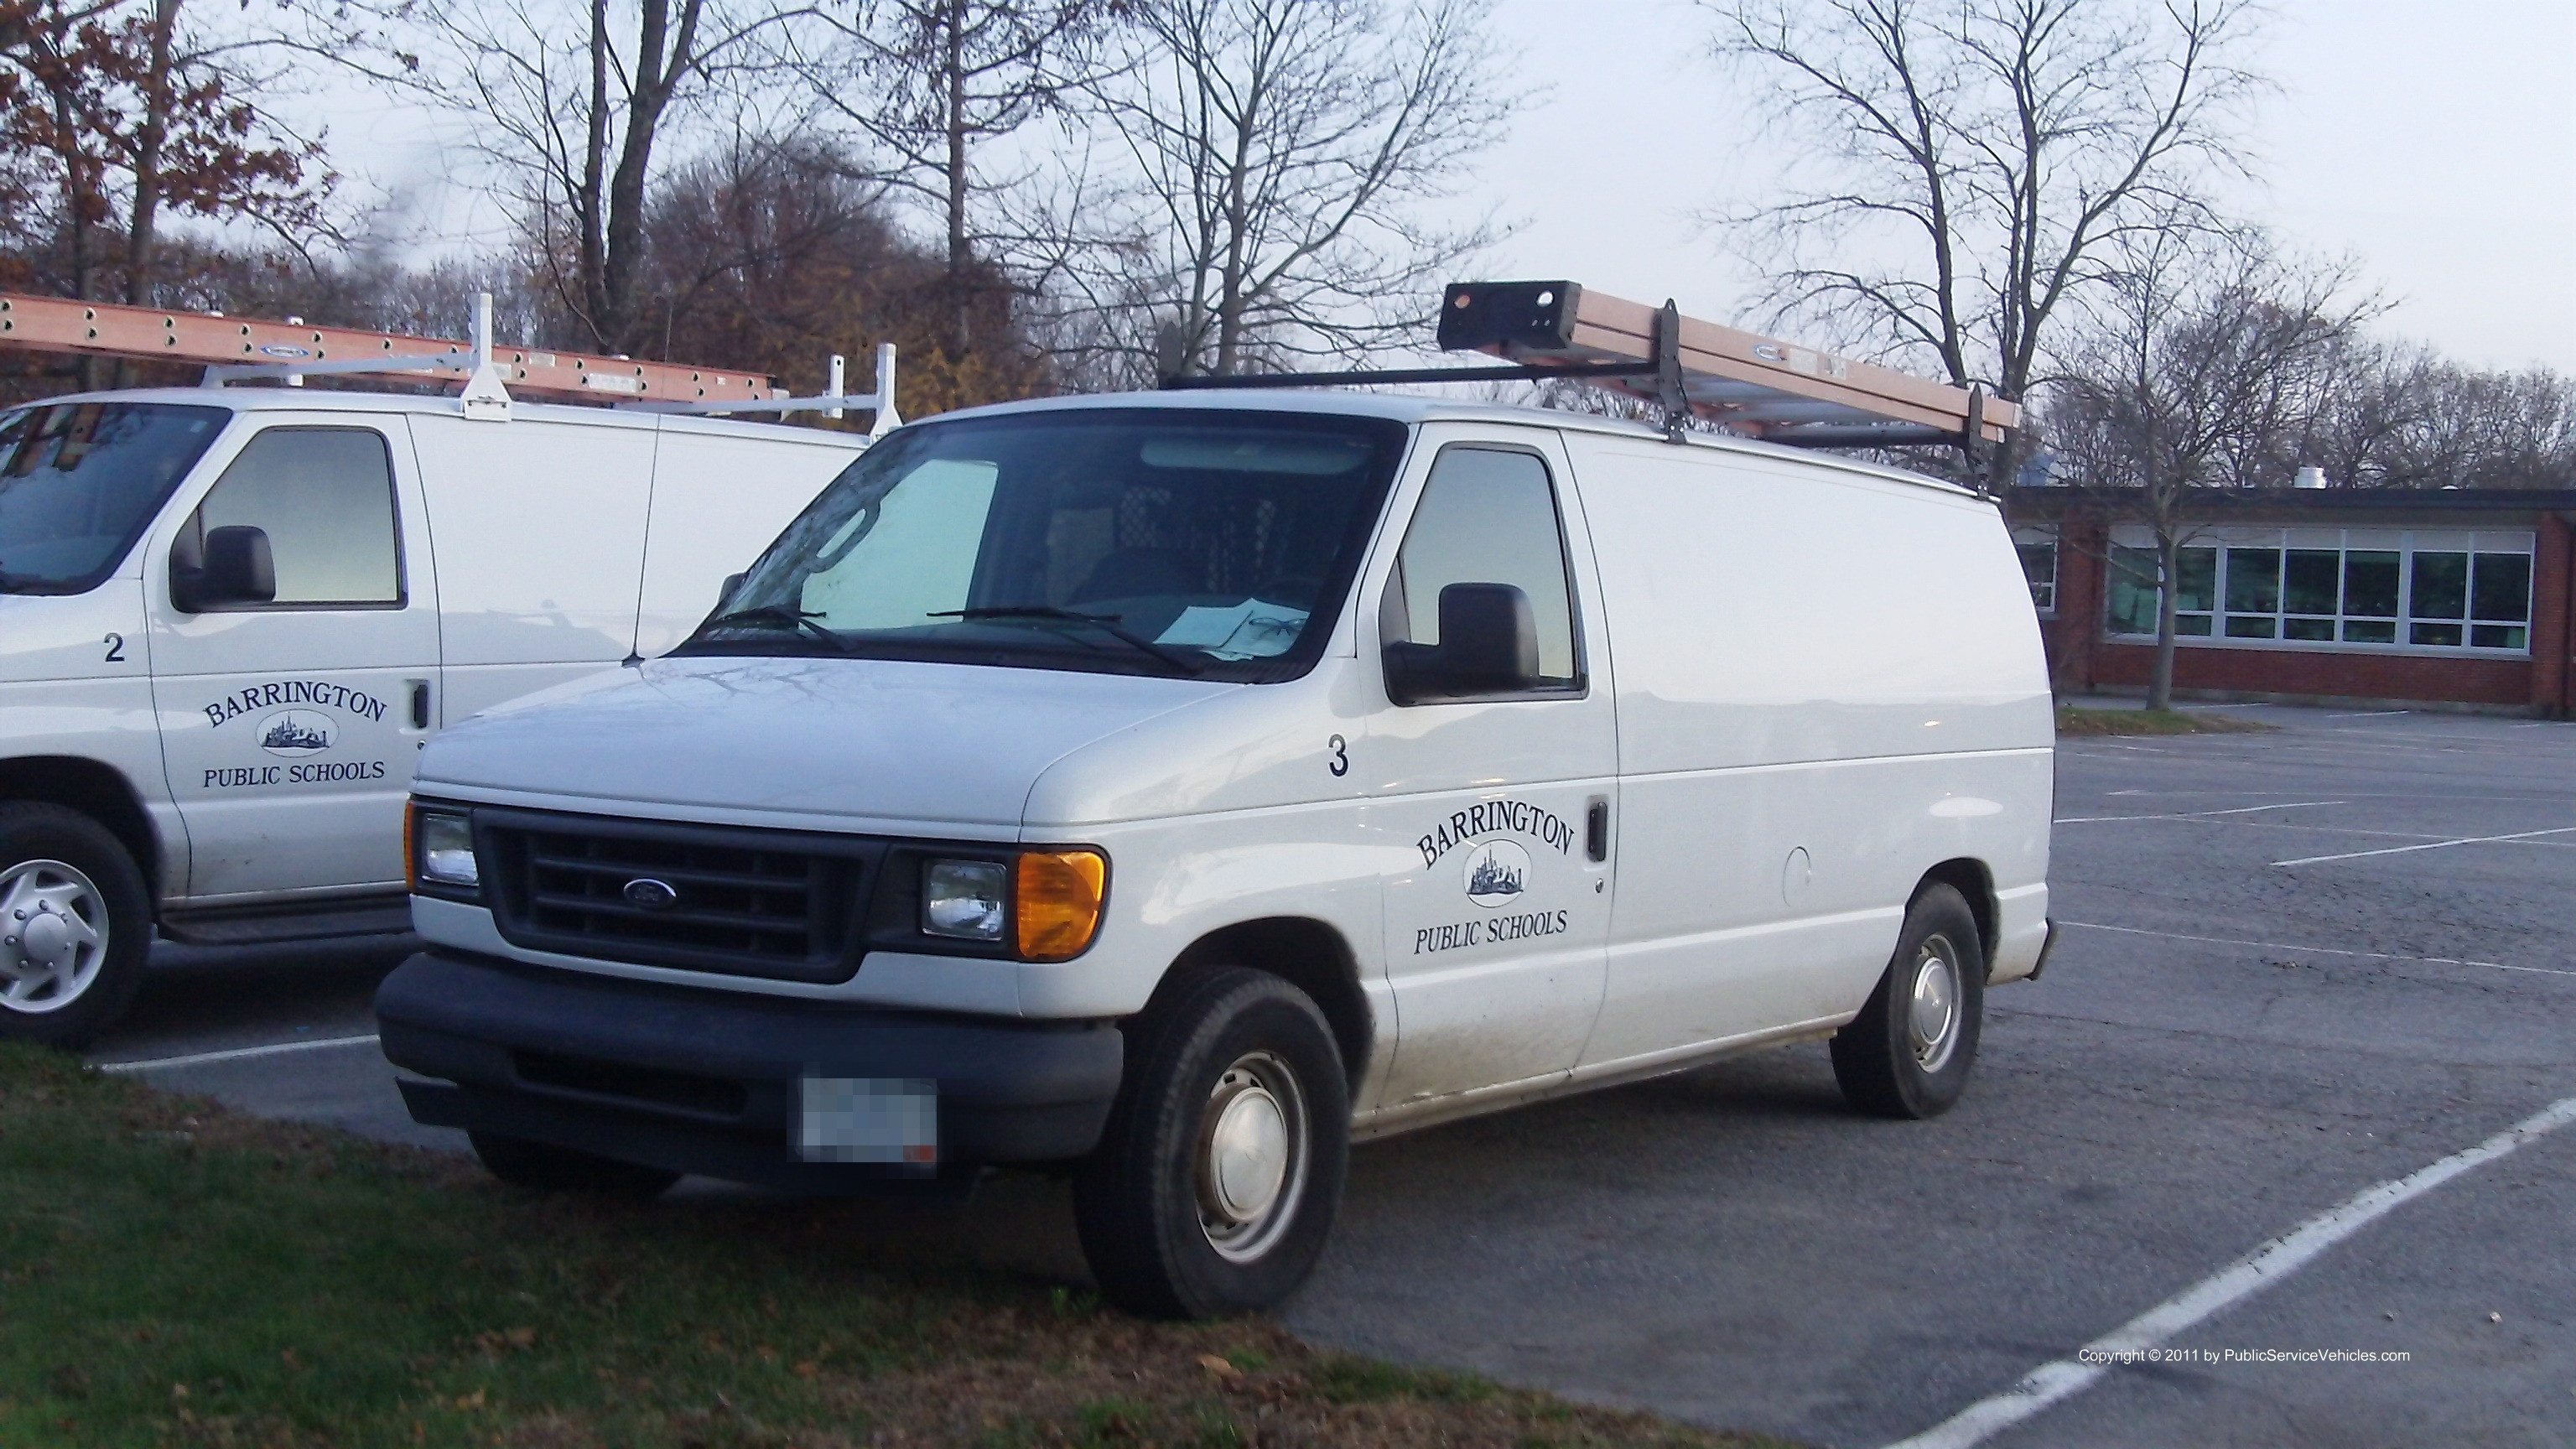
x=115 y=648
x=1340 y=763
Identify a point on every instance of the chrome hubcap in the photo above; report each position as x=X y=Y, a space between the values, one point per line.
x=1252 y=1156
x=1932 y=1014
x=53 y=935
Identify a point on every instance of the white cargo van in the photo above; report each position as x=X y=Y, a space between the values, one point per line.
x=229 y=619
x=1174 y=787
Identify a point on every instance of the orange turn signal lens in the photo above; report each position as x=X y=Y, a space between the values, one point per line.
x=1056 y=900
x=411 y=845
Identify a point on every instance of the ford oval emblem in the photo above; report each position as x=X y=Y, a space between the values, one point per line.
x=649 y=894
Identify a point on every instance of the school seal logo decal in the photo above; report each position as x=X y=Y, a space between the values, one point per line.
x=296 y=732
x=1497 y=871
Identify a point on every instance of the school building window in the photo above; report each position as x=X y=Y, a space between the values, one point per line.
x=2038 y=550
x=2403 y=589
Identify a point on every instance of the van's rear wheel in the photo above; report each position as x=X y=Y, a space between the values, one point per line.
x=1215 y=1184
x=75 y=926
x=1908 y=1052
x=548 y=1168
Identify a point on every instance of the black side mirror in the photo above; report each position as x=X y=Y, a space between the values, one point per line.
x=237 y=568
x=732 y=585
x=1488 y=645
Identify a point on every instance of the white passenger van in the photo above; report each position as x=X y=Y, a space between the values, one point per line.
x=229 y=619
x=1175 y=787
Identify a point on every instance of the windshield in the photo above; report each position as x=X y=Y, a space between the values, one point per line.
x=79 y=482
x=1141 y=541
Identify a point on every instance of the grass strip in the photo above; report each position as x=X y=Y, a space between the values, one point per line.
x=2072 y=721
x=172 y=1274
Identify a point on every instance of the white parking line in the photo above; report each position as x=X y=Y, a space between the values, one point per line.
x=2430 y=845
x=236 y=1054
x=2053 y=1383
x=2193 y=814
x=2315 y=950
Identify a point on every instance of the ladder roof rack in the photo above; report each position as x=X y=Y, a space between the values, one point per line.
x=237 y=348
x=1749 y=384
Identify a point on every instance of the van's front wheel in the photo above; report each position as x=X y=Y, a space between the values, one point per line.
x=1908 y=1052
x=75 y=926
x=1216 y=1181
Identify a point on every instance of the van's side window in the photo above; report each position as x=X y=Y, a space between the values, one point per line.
x=325 y=498
x=1488 y=515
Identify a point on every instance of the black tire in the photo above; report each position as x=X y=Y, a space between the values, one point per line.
x=548 y=1168
x=1889 y=1061
x=75 y=926
x=1173 y=1226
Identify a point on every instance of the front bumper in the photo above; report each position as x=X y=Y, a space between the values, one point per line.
x=705 y=1081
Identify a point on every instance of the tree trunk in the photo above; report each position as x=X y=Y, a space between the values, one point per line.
x=140 y=231
x=2168 y=582
x=81 y=196
x=144 y=218
x=953 y=80
x=594 y=178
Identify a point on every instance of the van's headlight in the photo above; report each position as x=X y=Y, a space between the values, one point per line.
x=442 y=848
x=964 y=900
x=1044 y=904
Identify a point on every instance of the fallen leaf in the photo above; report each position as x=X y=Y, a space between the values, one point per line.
x=1221 y=1367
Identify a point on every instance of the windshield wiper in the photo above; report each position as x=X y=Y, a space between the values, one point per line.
x=779 y=616
x=1105 y=623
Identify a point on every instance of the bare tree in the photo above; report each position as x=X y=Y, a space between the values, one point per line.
x=2399 y=416
x=1271 y=161
x=930 y=82
x=1976 y=158
x=2200 y=350
x=117 y=112
x=573 y=103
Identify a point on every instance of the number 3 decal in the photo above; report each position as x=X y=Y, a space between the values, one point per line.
x=115 y=648
x=1340 y=764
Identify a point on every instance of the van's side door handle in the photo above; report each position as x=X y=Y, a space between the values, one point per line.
x=1596 y=829
x=420 y=704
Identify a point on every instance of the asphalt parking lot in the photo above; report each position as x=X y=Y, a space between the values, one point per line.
x=2295 y=966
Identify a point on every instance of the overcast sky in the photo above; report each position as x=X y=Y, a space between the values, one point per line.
x=2435 y=143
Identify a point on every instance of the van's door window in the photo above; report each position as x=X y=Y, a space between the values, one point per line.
x=80 y=481
x=325 y=498
x=1487 y=516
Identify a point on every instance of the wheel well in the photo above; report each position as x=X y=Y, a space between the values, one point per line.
x=1971 y=879
x=95 y=790
x=1308 y=955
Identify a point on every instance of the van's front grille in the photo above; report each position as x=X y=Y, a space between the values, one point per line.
x=744 y=902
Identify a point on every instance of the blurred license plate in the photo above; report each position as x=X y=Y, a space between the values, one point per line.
x=868 y=1119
